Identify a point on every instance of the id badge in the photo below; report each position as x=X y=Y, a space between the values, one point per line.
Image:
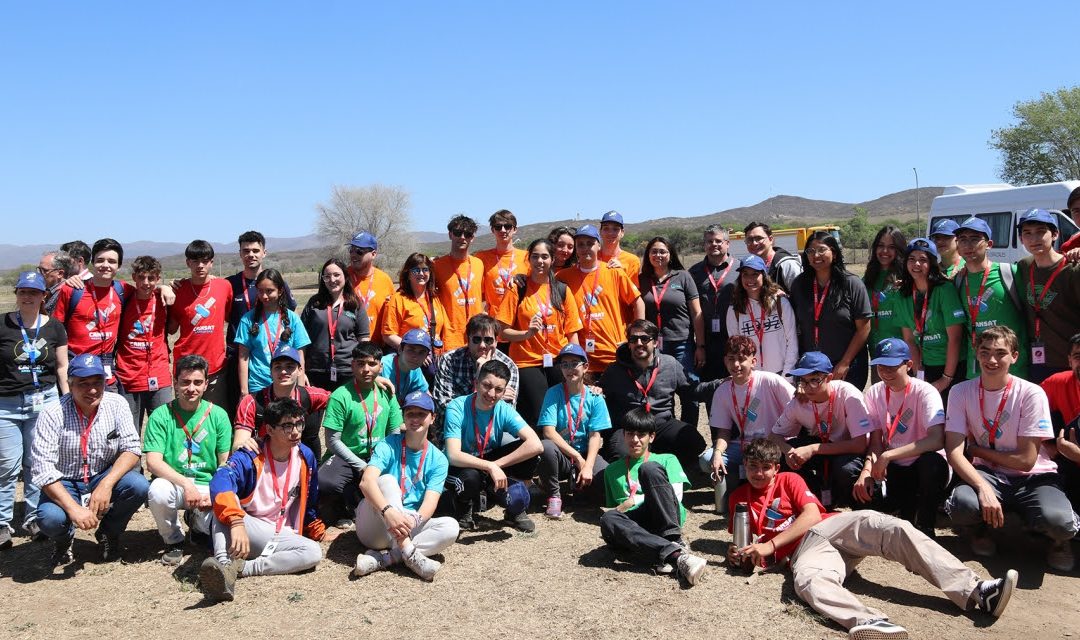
x=921 y=375
x=715 y=326
x=548 y=360
x=36 y=401
x=826 y=497
x=590 y=345
x=269 y=548
x=84 y=499
x=1038 y=353
x=333 y=375
x=200 y=436
x=108 y=371
x=152 y=384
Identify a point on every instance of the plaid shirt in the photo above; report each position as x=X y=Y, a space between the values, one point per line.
x=457 y=375
x=57 y=448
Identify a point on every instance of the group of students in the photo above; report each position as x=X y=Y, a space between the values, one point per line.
x=481 y=374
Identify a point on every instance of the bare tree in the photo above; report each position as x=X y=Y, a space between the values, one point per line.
x=378 y=209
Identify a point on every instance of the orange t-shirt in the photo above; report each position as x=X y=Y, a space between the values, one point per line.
x=603 y=295
x=460 y=290
x=373 y=291
x=630 y=264
x=558 y=327
x=499 y=272
x=403 y=312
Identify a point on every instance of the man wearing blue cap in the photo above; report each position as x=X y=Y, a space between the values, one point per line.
x=86 y=461
x=1051 y=289
x=943 y=234
x=611 y=253
x=404 y=368
x=905 y=469
x=401 y=487
x=715 y=278
x=370 y=283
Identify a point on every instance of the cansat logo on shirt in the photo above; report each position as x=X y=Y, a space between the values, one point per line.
x=202 y=312
x=1050 y=295
x=37 y=349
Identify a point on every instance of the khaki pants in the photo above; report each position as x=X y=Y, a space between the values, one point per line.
x=832 y=549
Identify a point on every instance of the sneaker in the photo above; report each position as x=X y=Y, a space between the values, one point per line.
x=466 y=522
x=5 y=537
x=34 y=531
x=522 y=522
x=62 y=553
x=691 y=567
x=993 y=595
x=422 y=565
x=877 y=630
x=983 y=545
x=219 y=580
x=664 y=569
x=109 y=545
x=345 y=524
x=1060 y=557
x=174 y=554
x=370 y=562
x=554 y=508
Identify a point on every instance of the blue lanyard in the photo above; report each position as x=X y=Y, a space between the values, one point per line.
x=30 y=347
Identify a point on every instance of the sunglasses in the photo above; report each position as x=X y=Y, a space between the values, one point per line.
x=639 y=339
x=462 y=234
x=419 y=270
x=487 y=340
x=359 y=252
x=502 y=227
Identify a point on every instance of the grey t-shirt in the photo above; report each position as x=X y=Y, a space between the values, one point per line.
x=846 y=302
x=674 y=317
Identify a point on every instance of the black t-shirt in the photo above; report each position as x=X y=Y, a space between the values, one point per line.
x=846 y=302
x=15 y=375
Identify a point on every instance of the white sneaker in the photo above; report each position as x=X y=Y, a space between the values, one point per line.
x=691 y=567
x=877 y=630
x=370 y=562
x=1060 y=557
x=422 y=565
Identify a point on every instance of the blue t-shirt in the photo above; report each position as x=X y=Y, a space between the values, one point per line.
x=258 y=346
x=387 y=459
x=594 y=417
x=403 y=384
x=461 y=423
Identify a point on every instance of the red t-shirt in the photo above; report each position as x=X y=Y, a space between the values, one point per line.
x=95 y=320
x=785 y=504
x=201 y=313
x=142 y=351
x=246 y=411
x=1070 y=244
x=1063 y=391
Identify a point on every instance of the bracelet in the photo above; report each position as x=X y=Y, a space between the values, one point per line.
x=945 y=375
x=773 y=541
x=383 y=512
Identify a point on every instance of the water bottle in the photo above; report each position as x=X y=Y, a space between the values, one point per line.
x=741 y=525
x=719 y=493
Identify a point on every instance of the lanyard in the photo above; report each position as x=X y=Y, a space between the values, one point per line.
x=247 y=290
x=147 y=327
x=482 y=443
x=508 y=273
x=30 y=347
x=570 y=428
x=895 y=421
x=824 y=428
x=369 y=418
x=591 y=299
x=920 y=316
x=271 y=342
x=429 y=315
x=759 y=521
x=632 y=488
x=741 y=413
x=658 y=298
x=973 y=306
x=419 y=467
x=544 y=307
x=644 y=390
x=84 y=441
x=465 y=285
x=716 y=287
x=183 y=424
x=331 y=326
x=1036 y=301
x=283 y=493
x=759 y=328
x=97 y=312
x=819 y=304
x=991 y=428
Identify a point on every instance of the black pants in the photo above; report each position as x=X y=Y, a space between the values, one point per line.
x=837 y=473
x=649 y=533
x=464 y=485
x=555 y=467
x=672 y=436
x=321 y=379
x=915 y=491
x=533 y=383
x=339 y=490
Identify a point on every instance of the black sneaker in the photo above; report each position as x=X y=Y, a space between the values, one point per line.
x=110 y=547
x=34 y=531
x=62 y=553
x=174 y=554
x=993 y=595
x=467 y=522
x=522 y=522
x=5 y=538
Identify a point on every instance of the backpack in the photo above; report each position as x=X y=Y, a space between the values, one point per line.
x=1008 y=282
x=77 y=294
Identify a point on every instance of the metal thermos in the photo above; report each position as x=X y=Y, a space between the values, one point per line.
x=741 y=525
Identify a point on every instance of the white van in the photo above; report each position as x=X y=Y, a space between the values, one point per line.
x=999 y=205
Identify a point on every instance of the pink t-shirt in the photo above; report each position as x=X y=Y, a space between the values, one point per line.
x=849 y=416
x=265 y=503
x=921 y=410
x=768 y=397
x=1026 y=413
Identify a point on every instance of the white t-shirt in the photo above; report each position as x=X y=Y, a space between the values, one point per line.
x=265 y=502
x=778 y=349
x=769 y=395
x=849 y=416
x=921 y=410
x=1026 y=414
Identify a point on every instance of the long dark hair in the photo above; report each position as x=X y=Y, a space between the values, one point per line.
x=770 y=292
x=521 y=281
x=322 y=298
x=895 y=270
x=674 y=264
x=414 y=260
x=553 y=238
x=273 y=275
x=934 y=278
x=830 y=241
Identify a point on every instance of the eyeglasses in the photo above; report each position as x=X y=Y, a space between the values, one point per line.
x=815 y=381
x=419 y=270
x=488 y=340
x=291 y=426
x=46 y=272
x=918 y=260
x=505 y=226
x=659 y=252
x=570 y=364
x=819 y=251
x=755 y=239
x=639 y=339
x=462 y=234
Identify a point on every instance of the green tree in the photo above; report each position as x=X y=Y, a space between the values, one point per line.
x=1044 y=144
x=856 y=232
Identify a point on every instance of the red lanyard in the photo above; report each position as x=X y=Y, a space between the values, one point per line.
x=183 y=424
x=759 y=521
x=281 y=494
x=632 y=488
x=759 y=328
x=895 y=421
x=591 y=297
x=991 y=428
x=419 y=467
x=823 y=429
x=100 y=326
x=1036 y=301
x=819 y=304
x=571 y=429
x=429 y=316
x=920 y=318
x=84 y=441
x=482 y=443
x=148 y=327
x=507 y=274
x=545 y=308
x=741 y=413
x=973 y=307
x=465 y=285
x=657 y=299
x=644 y=390
x=271 y=342
x=715 y=285
x=369 y=418
x=331 y=326
x=247 y=290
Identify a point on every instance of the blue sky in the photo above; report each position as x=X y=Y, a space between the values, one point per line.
x=167 y=122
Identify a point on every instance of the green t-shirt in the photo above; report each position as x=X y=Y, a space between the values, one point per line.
x=943 y=311
x=886 y=322
x=345 y=413
x=995 y=308
x=951 y=271
x=164 y=434
x=616 y=490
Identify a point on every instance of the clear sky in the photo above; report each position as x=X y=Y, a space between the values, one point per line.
x=166 y=121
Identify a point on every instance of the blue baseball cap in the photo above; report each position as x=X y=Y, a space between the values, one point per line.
x=572 y=350
x=31 y=280
x=285 y=351
x=364 y=240
x=811 y=362
x=976 y=224
x=420 y=400
x=1037 y=215
x=945 y=227
x=86 y=366
x=612 y=216
x=752 y=262
x=417 y=337
x=891 y=352
x=517 y=498
x=589 y=231
x=922 y=244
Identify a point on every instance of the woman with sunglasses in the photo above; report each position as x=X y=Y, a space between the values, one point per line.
x=336 y=323
x=545 y=320
x=884 y=270
x=832 y=309
x=562 y=247
x=760 y=311
x=933 y=318
x=415 y=305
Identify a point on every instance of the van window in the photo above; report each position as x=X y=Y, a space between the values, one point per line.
x=1001 y=226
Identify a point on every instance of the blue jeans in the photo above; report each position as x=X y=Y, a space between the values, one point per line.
x=127 y=496
x=17 y=423
x=683 y=351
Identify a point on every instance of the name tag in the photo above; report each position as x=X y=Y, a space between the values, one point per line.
x=716 y=325
x=590 y=345
x=152 y=384
x=333 y=374
x=1038 y=353
x=548 y=360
